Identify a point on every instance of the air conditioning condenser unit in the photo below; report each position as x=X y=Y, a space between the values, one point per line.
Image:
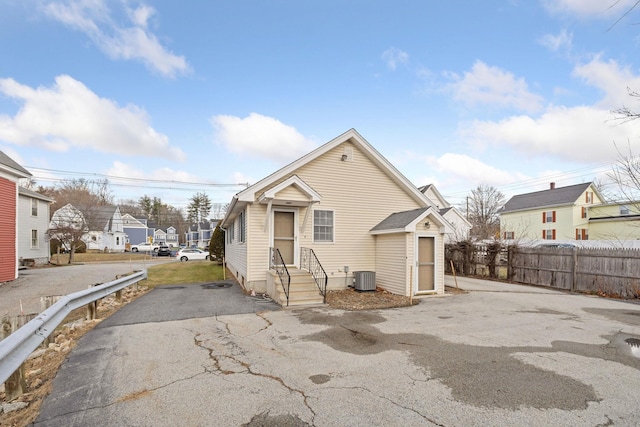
x=364 y=280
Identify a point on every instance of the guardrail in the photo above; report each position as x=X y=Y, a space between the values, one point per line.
x=17 y=347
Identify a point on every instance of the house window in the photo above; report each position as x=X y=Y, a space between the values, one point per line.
x=230 y=233
x=584 y=212
x=582 y=234
x=589 y=197
x=509 y=235
x=624 y=210
x=34 y=207
x=549 y=234
x=241 y=227
x=549 y=216
x=34 y=239
x=323 y=226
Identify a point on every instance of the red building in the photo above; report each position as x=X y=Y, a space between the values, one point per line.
x=10 y=173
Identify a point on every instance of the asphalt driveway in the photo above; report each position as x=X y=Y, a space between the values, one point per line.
x=499 y=355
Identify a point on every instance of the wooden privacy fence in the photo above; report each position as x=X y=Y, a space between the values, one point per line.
x=610 y=271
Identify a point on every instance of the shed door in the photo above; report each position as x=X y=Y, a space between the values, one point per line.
x=283 y=235
x=426 y=264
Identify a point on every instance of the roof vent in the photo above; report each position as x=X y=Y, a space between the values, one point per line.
x=552 y=186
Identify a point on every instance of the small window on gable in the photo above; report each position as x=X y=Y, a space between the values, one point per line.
x=624 y=210
x=323 y=228
x=589 y=197
x=34 y=207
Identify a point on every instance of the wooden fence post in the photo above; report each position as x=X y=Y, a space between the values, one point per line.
x=574 y=270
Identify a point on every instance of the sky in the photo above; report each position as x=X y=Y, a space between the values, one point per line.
x=169 y=99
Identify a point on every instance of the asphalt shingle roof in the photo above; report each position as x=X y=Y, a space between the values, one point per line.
x=552 y=197
x=399 y=220
x=9 y=162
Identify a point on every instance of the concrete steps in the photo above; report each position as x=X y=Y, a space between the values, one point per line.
x=302 y=291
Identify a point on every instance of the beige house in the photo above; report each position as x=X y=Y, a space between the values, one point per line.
x=555 y=214
x=614 y=222
x=339 y=216
x=460 y=226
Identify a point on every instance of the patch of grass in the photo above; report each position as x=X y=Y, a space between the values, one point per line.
x=63 y=259
x=183 y=272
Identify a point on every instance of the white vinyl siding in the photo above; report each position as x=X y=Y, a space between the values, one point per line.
x=27 y=224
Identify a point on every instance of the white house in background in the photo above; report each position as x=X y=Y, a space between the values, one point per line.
x=106 y=229
x=345 y=208
x=33 y=211
x=103 y=225
x=460 y=226
x=199 y=235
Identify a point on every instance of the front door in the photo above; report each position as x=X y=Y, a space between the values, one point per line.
x=426 y=264
x=284 y=235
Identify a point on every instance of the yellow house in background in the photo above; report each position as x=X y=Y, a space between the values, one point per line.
x=339 y=216
x=555 y=214
x=614 y=221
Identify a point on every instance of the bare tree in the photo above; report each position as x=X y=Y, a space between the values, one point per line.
x=67 y=226
x=482 y=208
x=626 y=174
x=219 y=210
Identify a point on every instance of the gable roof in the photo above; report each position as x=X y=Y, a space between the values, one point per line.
x=407 y=221
x=248 y=195
x=29 y=193
x=441 y=202
x=11 y=166
x=553 y=197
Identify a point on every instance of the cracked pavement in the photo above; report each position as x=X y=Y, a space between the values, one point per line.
x=499 y=355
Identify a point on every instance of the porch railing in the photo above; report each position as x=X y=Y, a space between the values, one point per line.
x=276 y=262
x=309 y=261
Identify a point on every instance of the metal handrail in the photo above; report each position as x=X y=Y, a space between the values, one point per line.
x=310 y=262
x=276 y=262
x=17 y=347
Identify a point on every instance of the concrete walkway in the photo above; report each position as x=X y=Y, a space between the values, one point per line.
x=499 y=355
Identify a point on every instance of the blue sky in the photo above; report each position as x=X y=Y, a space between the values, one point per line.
x=169 y=98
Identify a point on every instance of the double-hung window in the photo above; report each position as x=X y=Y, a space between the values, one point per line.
x=34 y=239
x=34 y=207
x=323 y=226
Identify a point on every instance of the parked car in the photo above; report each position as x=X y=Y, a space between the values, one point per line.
x=164 y=251
x=191 y=254
x=145 y=247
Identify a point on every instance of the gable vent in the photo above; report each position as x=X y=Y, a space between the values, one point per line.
x=347 y=155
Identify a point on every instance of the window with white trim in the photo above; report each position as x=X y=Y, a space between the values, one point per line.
x=34 y=207
x=323 y=226
x=624 y=210
x=34 y=239
x=230 y=233
x=241 y=227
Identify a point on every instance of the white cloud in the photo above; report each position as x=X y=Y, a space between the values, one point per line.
x=393 y=57
x=260 y=136
x=466 y=168
x=589 y=8
x=556 y=43
x=611 y=78
x=485 y=85
x=69 y=115
x=134 y=41
x=584 y=133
